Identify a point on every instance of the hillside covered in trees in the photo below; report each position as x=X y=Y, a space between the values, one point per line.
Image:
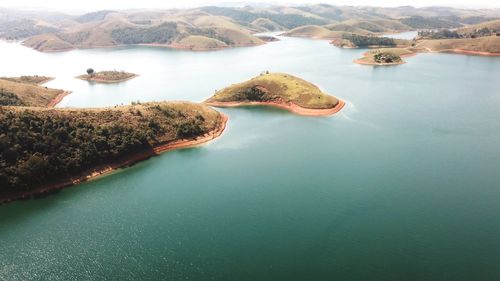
x=43 y=146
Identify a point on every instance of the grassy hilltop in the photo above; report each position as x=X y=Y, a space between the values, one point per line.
x=26 y=91
x=40 y=146
x=279 y=88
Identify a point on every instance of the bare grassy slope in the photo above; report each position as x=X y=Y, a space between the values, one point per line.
x=30 y=94
x=161 y=29
x=276 y=87
x=314 y=32
x=490 y=44
x=31 y=79
x=493 y=25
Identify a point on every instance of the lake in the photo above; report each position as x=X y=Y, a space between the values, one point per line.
x=402 y=184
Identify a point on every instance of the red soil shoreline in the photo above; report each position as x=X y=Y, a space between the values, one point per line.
x=102 y=170
x=58 y=99
x=287 y=106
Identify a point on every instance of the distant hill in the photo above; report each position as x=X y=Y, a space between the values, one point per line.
x=315 y=32
x=214 y=27
x=489 y=45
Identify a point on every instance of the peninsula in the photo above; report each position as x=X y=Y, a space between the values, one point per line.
x=48 y=149
x=278 y=90
x=27 y=91
x=110 y=76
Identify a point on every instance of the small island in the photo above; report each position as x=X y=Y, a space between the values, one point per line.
x=278 y=90
x=110 y=76
x=63 y=147
x=385 y=56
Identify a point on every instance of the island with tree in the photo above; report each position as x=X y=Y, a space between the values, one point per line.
x=109 y=76
x=385 y=56
x=43 y=150
x=278 y=90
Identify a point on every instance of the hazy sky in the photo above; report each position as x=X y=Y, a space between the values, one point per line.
x=126 y=4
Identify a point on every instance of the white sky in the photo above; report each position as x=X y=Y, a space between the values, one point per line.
x=127 y=4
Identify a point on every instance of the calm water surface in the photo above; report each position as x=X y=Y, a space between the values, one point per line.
x=403 y=184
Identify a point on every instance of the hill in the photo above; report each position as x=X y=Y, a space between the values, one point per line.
x=492 y=26
x=487 y=46
x=314 y=32
x=208 y=28
x=279 y=90
x=26 y=92
x=42 y=150
x=187 y=29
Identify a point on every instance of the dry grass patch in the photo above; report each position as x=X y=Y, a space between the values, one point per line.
x=276 y=87
x=28 y=93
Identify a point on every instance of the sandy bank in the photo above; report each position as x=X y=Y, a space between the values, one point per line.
x=287 y=106
x=102 y=170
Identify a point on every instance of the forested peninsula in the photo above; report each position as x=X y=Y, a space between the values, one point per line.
x=43 y=149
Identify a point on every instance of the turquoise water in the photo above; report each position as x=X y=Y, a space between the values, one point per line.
x=403 y=184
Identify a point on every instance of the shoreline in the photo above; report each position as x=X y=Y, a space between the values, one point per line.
x=127 y=161
x=173 y=46
x=288 y=106
x=58 y=99
x=97 y=80
x=469 y=52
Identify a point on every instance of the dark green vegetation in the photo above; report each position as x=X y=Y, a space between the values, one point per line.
x=386 y=57
x=23 y=28
x=8 y=98
x=247 y=17
x=438 y=34
x=419 y=22
x=43 y=146
x=365 y=41
x=455 y=34
x=164 y=33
